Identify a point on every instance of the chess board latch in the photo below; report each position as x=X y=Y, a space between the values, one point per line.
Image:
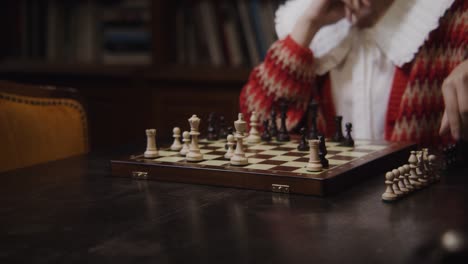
x=140 y=174
x=280 y=188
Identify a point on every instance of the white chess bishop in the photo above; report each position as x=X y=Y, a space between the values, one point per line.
x=194 y=153
x=239 y=158
x=151 y=149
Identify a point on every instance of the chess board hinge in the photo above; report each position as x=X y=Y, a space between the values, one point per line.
x=139 y=175
x=280 y=188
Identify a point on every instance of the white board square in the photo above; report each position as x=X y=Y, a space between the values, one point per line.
x=170 y=159
x=210 y=157
x=214 y=162
x=260 y=166
x=254 y=160
x=262 y=147
x=217 y=144
x=285 y=158
x=204 y=151
x=337 y=162
x=165 y=153
x=273 y=152
x=294 y=164
x=353 y=154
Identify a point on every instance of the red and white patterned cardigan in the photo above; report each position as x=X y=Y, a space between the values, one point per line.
x=415 y=106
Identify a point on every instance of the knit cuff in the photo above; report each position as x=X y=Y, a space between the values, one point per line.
x=296 y=49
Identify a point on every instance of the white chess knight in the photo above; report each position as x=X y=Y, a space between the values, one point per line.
x=254 y=135
x=151 y=149
x=239 y=157
x=176 y=145
x=194 y=153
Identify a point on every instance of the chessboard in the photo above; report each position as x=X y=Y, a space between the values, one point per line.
x=272 y=166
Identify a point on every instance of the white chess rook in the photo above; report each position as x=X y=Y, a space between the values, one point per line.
x=176 y=145
x=194 y=153
x=186 y=146
x=239 y=158
x=254 y=135
x=151 y=149
x=314 y=163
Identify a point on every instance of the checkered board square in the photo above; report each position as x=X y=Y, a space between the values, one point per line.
x=268 y=162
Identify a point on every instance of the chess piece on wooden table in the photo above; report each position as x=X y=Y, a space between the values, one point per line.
x=389 y=195
x=186 y=146
x=230 y=151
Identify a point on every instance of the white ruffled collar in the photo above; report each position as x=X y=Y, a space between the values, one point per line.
x=399 y=33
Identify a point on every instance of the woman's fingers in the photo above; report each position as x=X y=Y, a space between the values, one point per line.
x=444 y=125
x=452 y=109
x=461 y=89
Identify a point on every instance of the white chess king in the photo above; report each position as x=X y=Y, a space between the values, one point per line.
x=194 y=153
x=239 y=158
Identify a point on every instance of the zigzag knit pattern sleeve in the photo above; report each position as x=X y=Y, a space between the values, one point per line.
x=287 y=73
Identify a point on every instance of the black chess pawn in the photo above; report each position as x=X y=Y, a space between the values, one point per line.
x=322 y=151
x=283 y=131
x=222 y=131
x=338 y=136
x=303 y=144
x=274 y=126
x=348 y=140
x=211 y=131
x=312 y=112
x=266 y=136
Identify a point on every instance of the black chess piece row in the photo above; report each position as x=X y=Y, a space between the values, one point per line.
x=454 y=155
x=270 y=128
x=347 y=140
x=216 y=127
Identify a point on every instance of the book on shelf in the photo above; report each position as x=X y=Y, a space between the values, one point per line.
x=84 y=31
x=222 y=32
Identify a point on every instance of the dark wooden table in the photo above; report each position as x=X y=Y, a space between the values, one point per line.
x=70 y=211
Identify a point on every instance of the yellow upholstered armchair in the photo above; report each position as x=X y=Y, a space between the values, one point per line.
x=39 y=124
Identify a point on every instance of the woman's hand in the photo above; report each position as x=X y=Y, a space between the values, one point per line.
x=316 y=15
x=455 y=92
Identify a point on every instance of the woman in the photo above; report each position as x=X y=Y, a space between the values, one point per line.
x=387 y=66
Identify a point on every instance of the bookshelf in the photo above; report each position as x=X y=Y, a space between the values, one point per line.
x=195 y=48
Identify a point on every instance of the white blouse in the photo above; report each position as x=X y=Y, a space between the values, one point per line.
x=362 y=62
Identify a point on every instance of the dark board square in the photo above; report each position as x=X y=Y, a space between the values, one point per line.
x=295 y=154
x=284 y=168
x=272 y=162
x=339 y=157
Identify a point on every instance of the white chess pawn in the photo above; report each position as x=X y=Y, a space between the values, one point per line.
x=194 y=153
x=151 y=149
x=413 y=175
x=254 y=135
x=396 y=188
x=420 y=169
x=389 y=195
x=230 y=143
x=239 y=157
x=186 y=140
x=405 y=175
x=314 y=163
x=176 y=145
x=399 y=177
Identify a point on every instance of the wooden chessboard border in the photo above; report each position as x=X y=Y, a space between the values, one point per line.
x=324 y=183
